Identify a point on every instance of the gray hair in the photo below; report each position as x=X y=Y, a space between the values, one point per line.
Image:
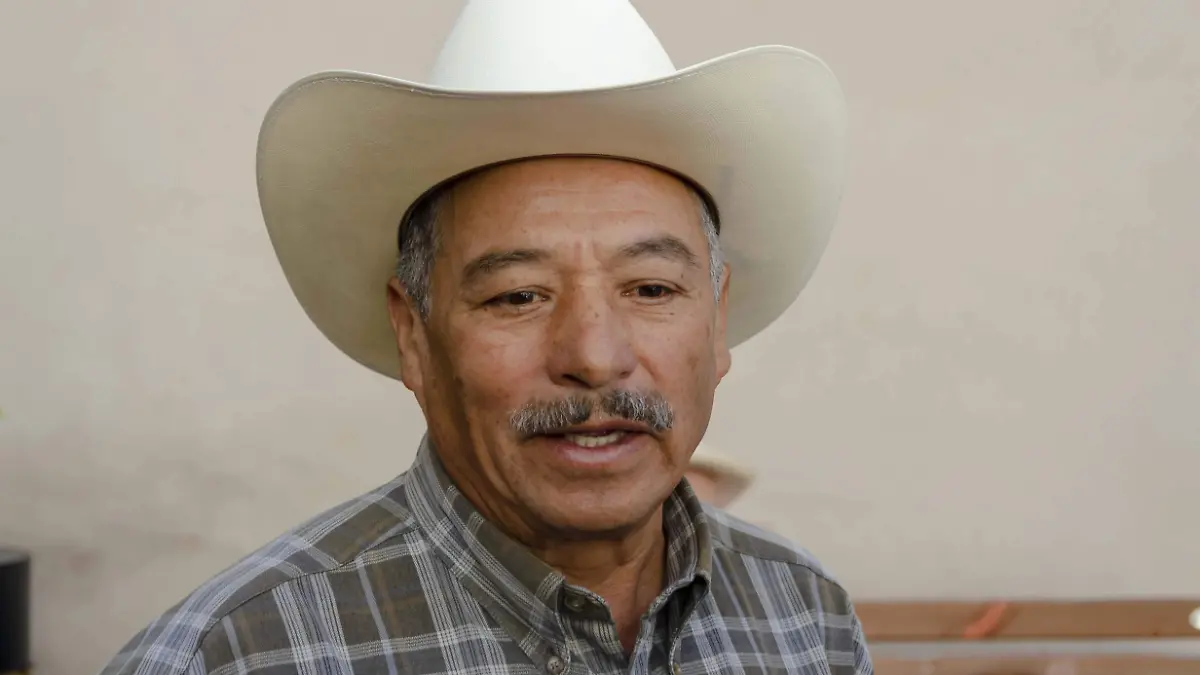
x=548 y=417
x=419 y=241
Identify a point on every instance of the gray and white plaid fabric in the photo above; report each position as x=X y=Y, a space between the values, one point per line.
x=411 y=579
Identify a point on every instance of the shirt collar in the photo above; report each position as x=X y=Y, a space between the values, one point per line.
x=505 y=577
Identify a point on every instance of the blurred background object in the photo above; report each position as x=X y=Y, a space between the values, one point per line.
x=717 y=478
x=1064 y=637
x=15 y=615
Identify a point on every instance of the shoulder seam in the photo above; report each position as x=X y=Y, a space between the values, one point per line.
x=797 y=559
x=817 y=572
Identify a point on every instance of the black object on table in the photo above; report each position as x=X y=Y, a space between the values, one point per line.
x=14 y=611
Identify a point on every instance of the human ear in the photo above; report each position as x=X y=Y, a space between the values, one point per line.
x=411 y=340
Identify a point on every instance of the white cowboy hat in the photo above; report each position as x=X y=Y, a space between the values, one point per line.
x=343 y=155
x=730 y=478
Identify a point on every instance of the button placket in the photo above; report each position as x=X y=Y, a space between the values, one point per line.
x=673 y=657
x=559 y=662
x=576 y=603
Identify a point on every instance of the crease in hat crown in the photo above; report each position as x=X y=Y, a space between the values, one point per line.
x=531 y=46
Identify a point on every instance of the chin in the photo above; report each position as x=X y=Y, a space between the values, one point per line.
x=611 y=512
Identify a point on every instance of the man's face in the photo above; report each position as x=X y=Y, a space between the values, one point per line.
x=568 y=364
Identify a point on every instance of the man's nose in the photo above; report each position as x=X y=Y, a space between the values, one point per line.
x=591 y=345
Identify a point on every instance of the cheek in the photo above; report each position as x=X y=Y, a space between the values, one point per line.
x=685 y=347
x=682 y=364
x=491 y=368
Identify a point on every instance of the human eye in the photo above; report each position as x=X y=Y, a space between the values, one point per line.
x=515 y=299
x=653 y=292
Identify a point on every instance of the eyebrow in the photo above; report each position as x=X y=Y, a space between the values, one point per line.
x=494 y=261
x=666 y=247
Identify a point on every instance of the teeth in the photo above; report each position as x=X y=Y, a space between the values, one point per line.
x=585 y=441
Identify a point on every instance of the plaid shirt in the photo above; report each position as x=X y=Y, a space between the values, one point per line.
x=411 y=579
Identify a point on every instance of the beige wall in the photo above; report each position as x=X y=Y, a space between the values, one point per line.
x=990 y=387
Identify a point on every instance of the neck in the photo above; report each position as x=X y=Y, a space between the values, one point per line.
x=625 y=567
x=626 y=571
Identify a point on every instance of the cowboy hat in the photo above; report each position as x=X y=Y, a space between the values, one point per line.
x=343 y=155
x=730 y=478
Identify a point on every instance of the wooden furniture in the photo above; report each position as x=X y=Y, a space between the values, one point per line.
x=1112 y=637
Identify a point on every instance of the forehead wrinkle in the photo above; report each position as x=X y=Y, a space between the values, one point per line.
x=667 y=247
x=495 y=261
x=551 y=209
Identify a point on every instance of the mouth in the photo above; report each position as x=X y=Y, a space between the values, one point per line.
x=602 y=446
x=599 y=435
x=596 y=439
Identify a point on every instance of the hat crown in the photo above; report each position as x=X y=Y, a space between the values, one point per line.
x=549 y=45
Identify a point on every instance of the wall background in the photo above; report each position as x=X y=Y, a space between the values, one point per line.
x=990 y=387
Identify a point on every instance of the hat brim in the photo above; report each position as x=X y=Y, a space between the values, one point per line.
x=342 y=156
x=730 y=478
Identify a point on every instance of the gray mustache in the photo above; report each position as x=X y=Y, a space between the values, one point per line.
x=554 y=417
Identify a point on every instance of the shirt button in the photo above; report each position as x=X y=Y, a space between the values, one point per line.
x=576 y=603
x=556 y=666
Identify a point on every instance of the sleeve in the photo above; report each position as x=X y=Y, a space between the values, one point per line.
x=862 y=656
x=166 y=647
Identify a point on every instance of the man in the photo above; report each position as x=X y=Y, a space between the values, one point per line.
x=562 y=308
x=715 y=478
